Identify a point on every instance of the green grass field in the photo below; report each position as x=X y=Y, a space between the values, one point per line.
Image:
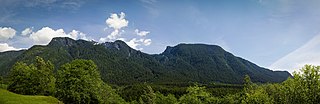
x=7 y=97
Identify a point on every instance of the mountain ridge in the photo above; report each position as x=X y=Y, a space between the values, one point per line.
x=121 y=64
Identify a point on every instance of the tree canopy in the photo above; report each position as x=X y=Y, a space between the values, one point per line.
x=33 y=79
x=79 y=82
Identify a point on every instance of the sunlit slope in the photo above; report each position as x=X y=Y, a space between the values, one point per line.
x=7 y=97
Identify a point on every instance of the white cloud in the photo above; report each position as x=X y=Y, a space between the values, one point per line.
x=83 y=36
x=147 y=42
x=141 y=33
x=116 y=21
x=6 y=47
x=44 y=35
x=74 y=34
x=115 y=35
x=135 y=43
x=6 y=33
x=101 y=40
x=31 y=37
x=27 y=31
x=309 y=53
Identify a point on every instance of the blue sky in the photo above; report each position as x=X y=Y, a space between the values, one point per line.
x=277 y=34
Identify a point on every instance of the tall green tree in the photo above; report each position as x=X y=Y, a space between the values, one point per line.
x=151 y=97
x=79 y=82
x=162 y=99
x=248 y=85
x=310 y=77
x=304 y=87
x=20 y=79
x=197 y=95
x=109 y=95
x=257 y=96
x=43 y=77
x=33 y=79
x=254 y=94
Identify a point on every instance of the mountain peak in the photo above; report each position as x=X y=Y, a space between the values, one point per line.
x=62 y=41
x=193 y=48
x=118 y=44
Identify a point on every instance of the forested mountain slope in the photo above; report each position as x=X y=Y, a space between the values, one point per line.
x=120 y=64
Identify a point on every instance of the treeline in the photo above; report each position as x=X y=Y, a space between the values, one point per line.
x=79 y=82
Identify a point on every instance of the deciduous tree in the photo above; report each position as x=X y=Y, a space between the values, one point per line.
x=79 y=82
x=33 y=79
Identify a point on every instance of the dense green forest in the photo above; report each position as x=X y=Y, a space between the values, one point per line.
x=121 y=65
x=79 y=81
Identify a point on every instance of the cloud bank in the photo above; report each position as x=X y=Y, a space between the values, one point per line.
x=6 y=47
x=39 y=37
x=26 y=31
x=44 y=35
x=6 y=33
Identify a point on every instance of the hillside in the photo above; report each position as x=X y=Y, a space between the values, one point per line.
x=7 y=97
x=120 y=64
x=7 y=59
x=211 y=62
